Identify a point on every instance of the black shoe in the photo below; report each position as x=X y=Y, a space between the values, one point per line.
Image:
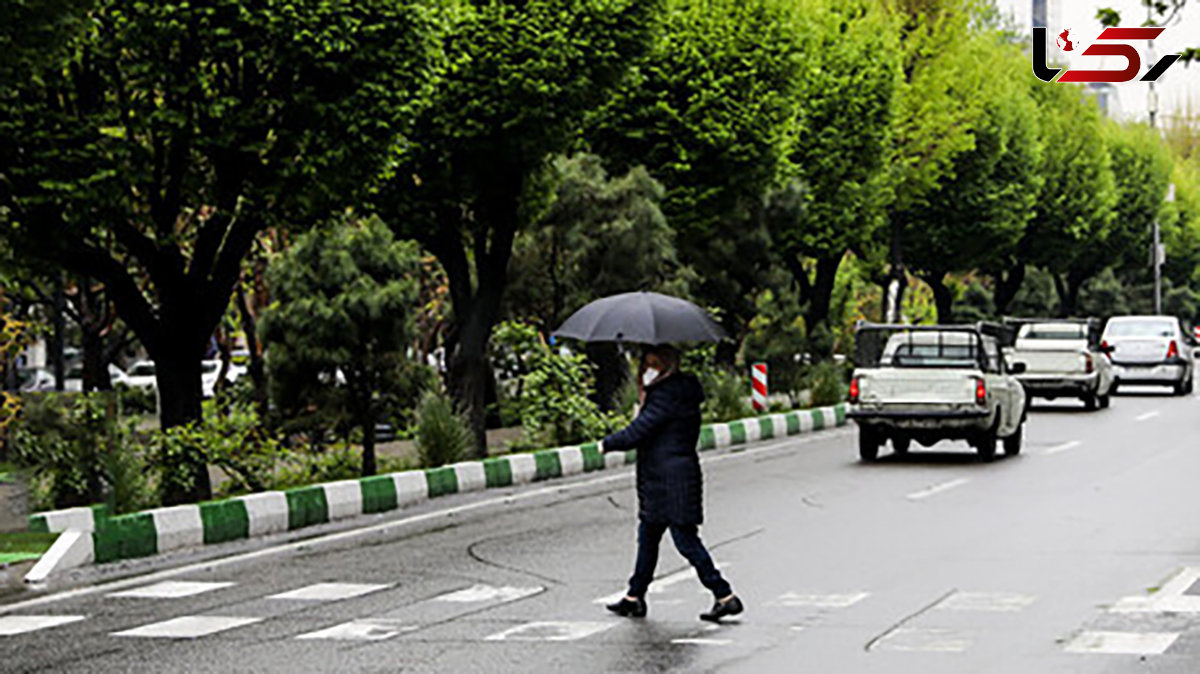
x=723 y=609
x=629 y=609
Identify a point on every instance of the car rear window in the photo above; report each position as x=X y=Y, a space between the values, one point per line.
x=1141 y=329
x=1054 y=332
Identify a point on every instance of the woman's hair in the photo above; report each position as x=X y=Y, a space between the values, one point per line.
x=668 y=354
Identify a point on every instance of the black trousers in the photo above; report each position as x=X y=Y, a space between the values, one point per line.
x=687 y=542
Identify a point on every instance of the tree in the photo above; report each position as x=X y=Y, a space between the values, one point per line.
x=936 y=110
x=840 y=139
x=707 y=113
x=518 y=80
x=151 y=156
x=1142 y=168
x=344 y=296
x=1075 y=206
x=980 y=209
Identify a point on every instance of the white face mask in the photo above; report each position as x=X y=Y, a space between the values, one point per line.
x=649 y=376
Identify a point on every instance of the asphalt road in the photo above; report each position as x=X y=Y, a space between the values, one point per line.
x=1080 y=555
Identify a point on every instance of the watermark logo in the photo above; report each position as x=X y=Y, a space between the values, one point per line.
x=1110 y=43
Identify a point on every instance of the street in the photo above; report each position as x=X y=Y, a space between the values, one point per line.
x=1073 y=557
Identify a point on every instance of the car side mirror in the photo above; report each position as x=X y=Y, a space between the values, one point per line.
x=1017 y=368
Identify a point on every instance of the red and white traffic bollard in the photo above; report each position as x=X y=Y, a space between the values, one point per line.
x=758 y=384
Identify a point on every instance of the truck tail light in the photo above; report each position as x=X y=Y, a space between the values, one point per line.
x=1173 y=350
x=980 y=392
x=1089 y=366
x=855 y=390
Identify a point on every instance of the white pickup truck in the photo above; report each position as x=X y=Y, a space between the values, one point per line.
x=1063 y=359
x=928 y=384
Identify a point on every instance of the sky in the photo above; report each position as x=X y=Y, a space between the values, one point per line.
x=1177 y=89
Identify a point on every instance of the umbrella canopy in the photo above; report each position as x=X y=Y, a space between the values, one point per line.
x=642 y=318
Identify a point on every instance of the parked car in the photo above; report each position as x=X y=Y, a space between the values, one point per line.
x=141 y=375
x=1150 y=350
x=74 y=378
x=1063 y=359
x=928 y=384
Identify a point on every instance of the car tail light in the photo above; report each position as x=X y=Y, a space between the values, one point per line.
x=854 y=390
x=1089 y=366
x=980 y=392
x=1104 y=345
x=1173 y=350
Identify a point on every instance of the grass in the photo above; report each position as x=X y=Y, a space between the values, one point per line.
x=6 y=472
x=22 y=545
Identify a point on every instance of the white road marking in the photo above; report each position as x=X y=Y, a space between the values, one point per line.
x=188 y=627
x=361 y=630
x=478 y=593
x=1148 y=415
x=20 y=624
x=1122 y=643
x=329 y=592
x=550 y=631
x=703 y=642
x=986 y=601
x=660 y=586
x=805 y=600
x=1170 y=598
x=171 y=589
x=928 y=640
x=393 y=526
x=937 y=489
x=1059 y=449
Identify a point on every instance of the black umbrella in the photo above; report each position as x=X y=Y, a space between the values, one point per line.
x=642 y=318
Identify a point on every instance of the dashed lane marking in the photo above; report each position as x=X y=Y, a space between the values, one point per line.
x=809 y=600
x=361 y=630
x=20 y=624
x=480 y=593
x=1064 y=447
x=927 y=640
x=702 y=642
x=660 y=586
x=550 y=631
x=997 y=602
x=329 y=592
x=188 y=627
x=1122 y=643
x=171 y=589
x=937 y=489
x=1147 y=416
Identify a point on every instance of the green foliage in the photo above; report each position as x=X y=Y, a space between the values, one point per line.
x=725 y=396
x=79 y=452
x=344 y=298
x=826 y=382
x=551 y=391
x=135 y=400
x=441 y=434
x=594 y=236
x=777 y=337
x=707 y=113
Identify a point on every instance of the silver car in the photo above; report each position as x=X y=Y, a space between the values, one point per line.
x=1150 y=350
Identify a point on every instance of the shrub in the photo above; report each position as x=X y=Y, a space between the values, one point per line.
x=135 y=400
x=441 y=435
x=725 y=397
x=826 y=382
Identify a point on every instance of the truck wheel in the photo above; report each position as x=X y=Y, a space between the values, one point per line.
x=1104 y=401
x=1112 y=390
x=1089 y=402
x=868 y=444
x=1012 y=444
x=900 y=445
x=1180 y=388
x=985 y=445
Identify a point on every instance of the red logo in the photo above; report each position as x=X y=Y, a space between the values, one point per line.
x=1113 y=36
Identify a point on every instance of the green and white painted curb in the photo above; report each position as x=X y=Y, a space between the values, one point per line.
x=96 y=538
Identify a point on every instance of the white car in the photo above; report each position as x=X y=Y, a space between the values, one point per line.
x=1063 y=359
x=141 y=375
x=1150 y=350
x=43 y=380
x=930 y=384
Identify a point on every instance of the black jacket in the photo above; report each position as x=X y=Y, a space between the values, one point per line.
x=665 y=434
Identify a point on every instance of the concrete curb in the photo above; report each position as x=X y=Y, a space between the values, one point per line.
x=92 y=537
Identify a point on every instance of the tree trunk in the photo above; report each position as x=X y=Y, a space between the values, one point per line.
x=466 y=371
x=1007 y=286
x=177 y=375
x=256 y=370
x=611 y=374
x=820 y=297
x=899 y=276
x=942 y=297
x=58 y=338
x=1068 y=294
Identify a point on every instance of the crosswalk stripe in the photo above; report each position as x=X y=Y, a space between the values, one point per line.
x=171 y=589
x=11 y=625
x=550 y=631
x=1122 y=643
x=329 y=592
x=188 y=627
x=360 y=630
